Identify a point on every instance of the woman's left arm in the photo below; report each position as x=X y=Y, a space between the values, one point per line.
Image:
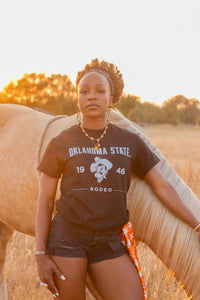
x=169 y=197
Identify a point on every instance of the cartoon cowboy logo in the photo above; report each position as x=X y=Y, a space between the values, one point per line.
x=100 y=168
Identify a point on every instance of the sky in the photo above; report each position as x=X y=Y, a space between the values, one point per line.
x=154 y=43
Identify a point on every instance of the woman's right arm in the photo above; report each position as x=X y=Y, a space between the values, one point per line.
x=46 y=267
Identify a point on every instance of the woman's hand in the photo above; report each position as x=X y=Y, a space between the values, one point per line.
x=169 y=197
x=46 y=269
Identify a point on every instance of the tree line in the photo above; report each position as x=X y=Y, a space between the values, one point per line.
x=56 y=94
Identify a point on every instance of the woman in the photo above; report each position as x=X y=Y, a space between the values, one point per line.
x=95 y=159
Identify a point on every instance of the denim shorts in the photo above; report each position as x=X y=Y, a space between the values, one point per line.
x=95 y=246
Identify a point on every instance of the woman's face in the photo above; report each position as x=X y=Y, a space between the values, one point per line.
x=94 y=95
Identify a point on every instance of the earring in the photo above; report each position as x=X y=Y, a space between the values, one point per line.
x=78 y=117
x=107 y=116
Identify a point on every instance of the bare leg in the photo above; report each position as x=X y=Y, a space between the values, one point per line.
x=74 y=270
x=117 y=279
x=5 y=234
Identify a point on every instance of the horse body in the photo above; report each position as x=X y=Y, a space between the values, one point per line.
x=20 y=130
x=19 y=184
x=19 y=137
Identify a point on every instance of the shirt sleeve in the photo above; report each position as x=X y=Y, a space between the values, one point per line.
x=145 y=159
x=51 y=162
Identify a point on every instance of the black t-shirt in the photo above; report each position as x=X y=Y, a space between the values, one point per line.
x=94 y=182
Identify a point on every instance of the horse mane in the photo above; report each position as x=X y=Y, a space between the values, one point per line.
x=169 y=237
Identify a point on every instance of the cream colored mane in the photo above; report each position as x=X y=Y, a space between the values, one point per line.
x=168 y=237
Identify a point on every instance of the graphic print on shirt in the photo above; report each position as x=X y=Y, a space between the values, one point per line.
x=100 y=168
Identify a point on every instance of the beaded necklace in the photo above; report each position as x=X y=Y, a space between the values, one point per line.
x=95 y=141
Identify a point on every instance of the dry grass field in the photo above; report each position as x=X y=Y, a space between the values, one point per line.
x=181 y=146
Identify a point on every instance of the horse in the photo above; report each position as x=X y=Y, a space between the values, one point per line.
x=24 y=135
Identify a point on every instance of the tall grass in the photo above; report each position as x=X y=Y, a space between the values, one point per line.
x=181 y=146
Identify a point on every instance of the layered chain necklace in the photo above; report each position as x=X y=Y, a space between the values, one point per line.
x=95 y=141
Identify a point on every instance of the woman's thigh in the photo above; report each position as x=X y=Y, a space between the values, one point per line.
x=74 y=269
x=117 y=279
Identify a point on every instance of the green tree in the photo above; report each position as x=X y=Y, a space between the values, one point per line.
x=126 y=103
x=55 y=93
x=146 y=113
x=180 y=109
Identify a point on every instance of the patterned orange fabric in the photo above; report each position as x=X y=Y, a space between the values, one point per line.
x=127 y=237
